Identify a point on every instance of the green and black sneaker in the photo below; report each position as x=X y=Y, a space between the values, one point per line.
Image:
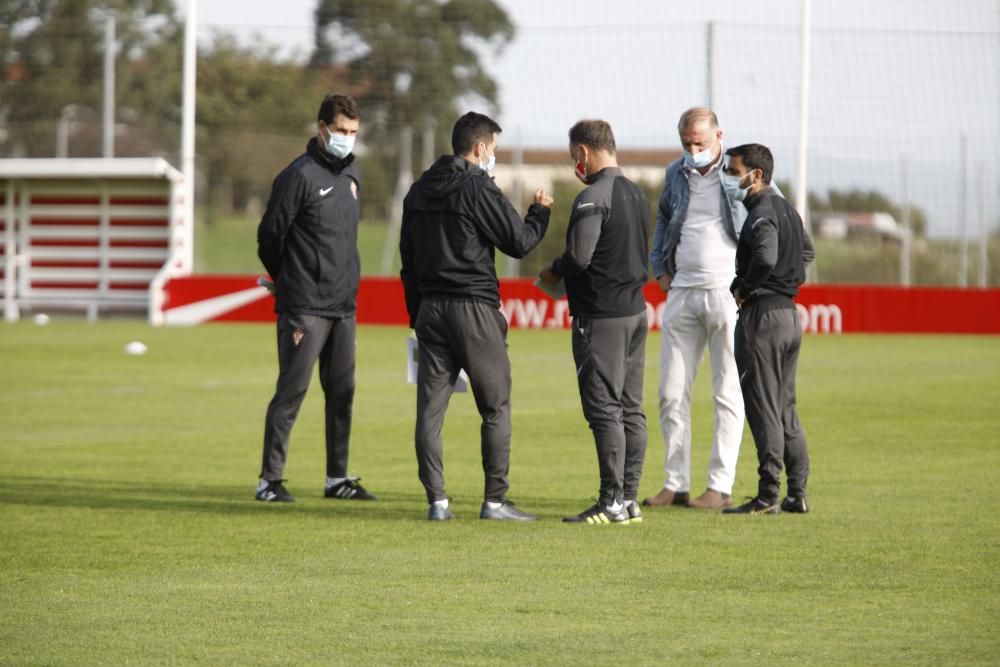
x=755 y=506
x=600 y=514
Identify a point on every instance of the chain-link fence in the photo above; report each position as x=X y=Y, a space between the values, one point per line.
x=904 y=122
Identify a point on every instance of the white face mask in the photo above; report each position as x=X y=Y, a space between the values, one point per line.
x=489 y=164
x=701 y=159
x=339 y=145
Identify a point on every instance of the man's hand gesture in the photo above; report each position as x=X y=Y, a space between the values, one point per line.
x=544 y=198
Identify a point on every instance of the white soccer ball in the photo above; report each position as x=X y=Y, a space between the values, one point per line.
x=135 y=348
x=41 y=319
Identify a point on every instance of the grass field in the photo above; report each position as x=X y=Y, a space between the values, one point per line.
x=129 y=534
x=229 y=245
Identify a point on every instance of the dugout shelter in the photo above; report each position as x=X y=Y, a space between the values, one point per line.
x=98 y=235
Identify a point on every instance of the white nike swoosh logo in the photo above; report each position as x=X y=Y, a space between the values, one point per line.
x=324 y=191
x=587 y=204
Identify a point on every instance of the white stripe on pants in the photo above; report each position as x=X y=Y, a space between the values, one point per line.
x=692 y=318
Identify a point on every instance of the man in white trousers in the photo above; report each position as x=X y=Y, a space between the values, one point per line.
x=693 y=258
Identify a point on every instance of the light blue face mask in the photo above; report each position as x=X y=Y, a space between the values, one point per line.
x=701 y=159
x=339 y=145
x=731 y=185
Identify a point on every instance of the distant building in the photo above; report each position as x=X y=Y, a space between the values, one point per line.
x=843 y=226
x=521 y=171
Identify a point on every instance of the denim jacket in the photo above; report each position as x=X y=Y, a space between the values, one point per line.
x=671 y=213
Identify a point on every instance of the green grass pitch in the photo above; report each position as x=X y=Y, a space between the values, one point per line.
x=129 y=534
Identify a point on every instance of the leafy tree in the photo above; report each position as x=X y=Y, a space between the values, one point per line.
x=53 y=55
x=254 y=111
x=255 y=114
x=414 y=61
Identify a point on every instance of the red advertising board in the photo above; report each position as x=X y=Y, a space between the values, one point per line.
x=822 y=308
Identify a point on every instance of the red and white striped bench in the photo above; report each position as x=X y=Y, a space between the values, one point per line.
x=95 y=234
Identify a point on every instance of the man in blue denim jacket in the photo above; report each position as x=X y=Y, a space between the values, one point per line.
x=693 y=258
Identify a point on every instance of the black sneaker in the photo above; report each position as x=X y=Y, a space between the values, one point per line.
x=438 y=513
x=506 y=512
x=634 y=513
x=600 y=514
x=349 y=489
x=274 y=492
x=754 y=506
x=794 y=505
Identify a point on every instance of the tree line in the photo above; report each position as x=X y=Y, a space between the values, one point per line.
x=410 y=63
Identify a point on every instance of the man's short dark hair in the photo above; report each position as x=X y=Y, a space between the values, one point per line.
x=755 y=156
x=594 y=134
x=334 y=105
x=470 y=129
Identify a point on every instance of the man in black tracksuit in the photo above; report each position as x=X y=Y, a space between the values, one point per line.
x=454 y=219
x=307 y=241
x=604 y=269
x=771 y=259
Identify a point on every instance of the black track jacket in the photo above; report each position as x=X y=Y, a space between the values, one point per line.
x=604 y=264
x=773 y=250
x=454 y=217
x=308 y=237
